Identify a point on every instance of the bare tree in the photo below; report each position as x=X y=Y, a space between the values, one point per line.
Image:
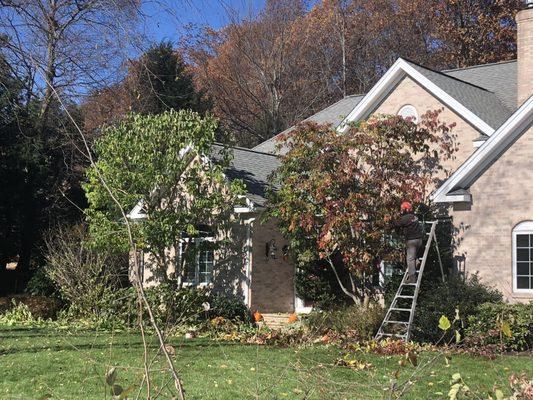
x=67 y=47
x=75 y=44
x=254 y=71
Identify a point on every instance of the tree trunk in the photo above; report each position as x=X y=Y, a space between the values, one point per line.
x=351 y=295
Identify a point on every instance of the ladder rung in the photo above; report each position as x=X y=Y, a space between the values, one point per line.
x=413 y=297
x=392 y=334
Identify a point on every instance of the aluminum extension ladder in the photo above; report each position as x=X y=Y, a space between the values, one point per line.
x=398 y=320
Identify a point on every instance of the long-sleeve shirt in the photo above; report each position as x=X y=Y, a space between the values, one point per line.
x=411 y=226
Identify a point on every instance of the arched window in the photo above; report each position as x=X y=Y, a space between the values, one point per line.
x=523 y=257
x=409 y=111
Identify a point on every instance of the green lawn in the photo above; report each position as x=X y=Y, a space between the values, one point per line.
x=71 y=365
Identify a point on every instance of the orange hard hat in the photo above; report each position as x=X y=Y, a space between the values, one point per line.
x=406 y=206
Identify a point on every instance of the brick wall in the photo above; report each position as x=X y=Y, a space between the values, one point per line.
x=272 y=279
x=410 y=92
x=229 y=273
x=501 y=198
x=524 y=20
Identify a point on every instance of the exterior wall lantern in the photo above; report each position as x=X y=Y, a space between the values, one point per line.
x=285 y=252
x=271 y=249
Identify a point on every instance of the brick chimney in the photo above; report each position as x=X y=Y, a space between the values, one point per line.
x=524 y=22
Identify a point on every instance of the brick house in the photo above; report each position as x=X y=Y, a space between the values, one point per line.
x=489 y=195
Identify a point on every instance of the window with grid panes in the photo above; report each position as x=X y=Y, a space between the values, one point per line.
x=523 y=256
x=200 y=270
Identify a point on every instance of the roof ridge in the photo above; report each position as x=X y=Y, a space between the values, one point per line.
x=246 y=149
x=449 y=76
x=303 y=120
x=324 y=109
x=479 y=65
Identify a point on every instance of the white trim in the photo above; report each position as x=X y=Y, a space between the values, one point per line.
x=478 y=143
x=299 y=303
x=247 y=284
x=494 y=145
x=386 y=84
x=299 y=306
x=136 y=213
x=525 y=227
x=248 y=208
x=456 y=198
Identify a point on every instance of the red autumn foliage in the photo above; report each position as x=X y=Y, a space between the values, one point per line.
x=336 y=190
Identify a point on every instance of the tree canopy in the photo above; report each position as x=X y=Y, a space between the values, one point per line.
x=336 y=190
x=163 y=162
x=268 y=72
x=157 y=81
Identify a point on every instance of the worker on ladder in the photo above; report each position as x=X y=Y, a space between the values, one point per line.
x=412 y=231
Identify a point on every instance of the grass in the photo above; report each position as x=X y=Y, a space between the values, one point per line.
x=40 y=362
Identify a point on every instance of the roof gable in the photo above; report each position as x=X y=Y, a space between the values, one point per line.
x=479 y=107
x=333 y=114
x=453 y=189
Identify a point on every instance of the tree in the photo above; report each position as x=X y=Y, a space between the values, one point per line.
x=267 y=73
x=81 y=274
x=360 y=40
x=335 y=191
x=159 y=80
x=471 y=32
x=12 y=163
x=271 y=71
x=65 y=45
x=163 y=161
x=257 y=74
x=56 y=50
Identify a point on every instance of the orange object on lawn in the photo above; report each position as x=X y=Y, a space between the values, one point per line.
x=258 y=316
x=293 y=318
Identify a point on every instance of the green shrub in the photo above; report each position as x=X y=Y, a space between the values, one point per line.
x=115 y=308
x=316 y=282
x=81 y=274
x=355 y=322
x=229 y=307
x=18 y=314
x=489 y=325
x=41 y=285
x=41 y=307
x=172 y=306
x=438 y=298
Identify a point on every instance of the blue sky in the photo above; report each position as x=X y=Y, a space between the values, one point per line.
x=166 y=19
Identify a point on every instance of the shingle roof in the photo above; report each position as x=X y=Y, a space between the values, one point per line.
x=488 y=90
x=482 y=102
x=253 y=168
x=499 y=78
x=334 y=114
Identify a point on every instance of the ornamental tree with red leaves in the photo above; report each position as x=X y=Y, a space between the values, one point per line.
x=336 y=191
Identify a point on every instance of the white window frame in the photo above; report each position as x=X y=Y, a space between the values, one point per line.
x=523 y=228
x=410 y=111
x=196 y=281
